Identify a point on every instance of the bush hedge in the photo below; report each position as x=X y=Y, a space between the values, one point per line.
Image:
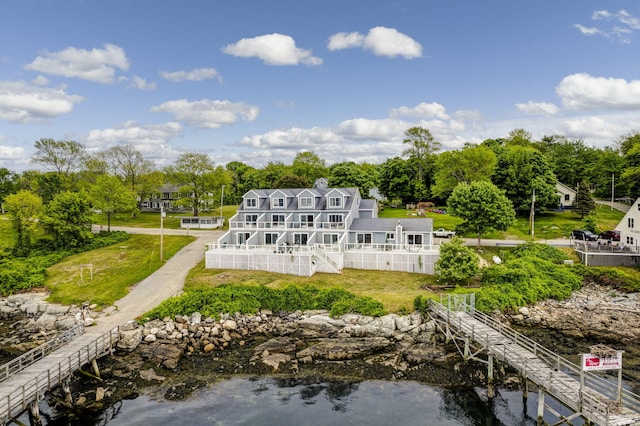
x=212 y=302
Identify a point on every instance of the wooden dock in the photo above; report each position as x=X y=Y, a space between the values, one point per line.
x=588 y=395
x=24 y=381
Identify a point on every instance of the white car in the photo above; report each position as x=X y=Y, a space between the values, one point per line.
x=443 y=233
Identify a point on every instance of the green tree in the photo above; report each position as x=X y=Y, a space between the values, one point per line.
x=238 y=172
x=68 y=219
x=482 y=206
x=583 y=204
x=395 y=180
x=421 y=150
x=353 y=175
x=629 y=146
x=292 y=181
x=24 y=207
x=570 y=160
x=8 y=181
x=111 y=196
x=64 y=157
x=266 y=177
x=458 y=264
x=196 y=175
x=519 y=171
x=469 y=164
x=307 y=164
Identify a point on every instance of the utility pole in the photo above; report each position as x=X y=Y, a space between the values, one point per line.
x=613 y=189
x=221 y=200
x=161 y=232
x=532 y=220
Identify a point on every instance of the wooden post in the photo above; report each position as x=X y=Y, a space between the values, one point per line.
x=34 y=414
x=67 y=391
x=490 y=390
x=540 y=419
x=94 y=364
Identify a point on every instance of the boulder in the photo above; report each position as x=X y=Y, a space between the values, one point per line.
x=346 y=348
x=129 y=340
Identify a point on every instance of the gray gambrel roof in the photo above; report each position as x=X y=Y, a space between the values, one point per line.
x=292 y=194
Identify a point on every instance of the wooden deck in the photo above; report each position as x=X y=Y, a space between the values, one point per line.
x=586 y=394
x=26 y=384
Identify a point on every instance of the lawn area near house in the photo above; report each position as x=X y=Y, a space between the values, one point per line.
x=152 y=220
x=115 y=269
x=548 y=226
x=396 y=290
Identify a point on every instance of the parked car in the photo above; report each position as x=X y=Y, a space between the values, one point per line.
x=613 y=235
x=581 y=234
x=443 y=233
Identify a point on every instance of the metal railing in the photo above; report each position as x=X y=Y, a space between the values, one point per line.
x=20 y=363
x=18 y=400
x=595 y=392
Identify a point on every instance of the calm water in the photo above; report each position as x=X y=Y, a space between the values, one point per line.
x=266 y=402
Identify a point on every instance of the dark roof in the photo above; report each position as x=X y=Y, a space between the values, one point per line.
x=377 y=224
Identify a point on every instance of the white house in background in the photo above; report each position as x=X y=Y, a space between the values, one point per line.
x=566 y=195
x=307 y=230
x=201 y=222
x=629 y=228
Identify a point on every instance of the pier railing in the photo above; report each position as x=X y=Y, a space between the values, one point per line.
x=594 y=391
x=20 y=363
x=34 y=385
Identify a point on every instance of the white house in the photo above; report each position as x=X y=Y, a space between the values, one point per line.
x=566 y=195
x=306 y=230
x=629 y=227
x=201 y=222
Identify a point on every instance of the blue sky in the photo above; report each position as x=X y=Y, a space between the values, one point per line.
x=259 y=81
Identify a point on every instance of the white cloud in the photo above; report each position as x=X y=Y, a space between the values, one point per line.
x=623 y=25
x=23 y=102
x=382 y=41
x=151 y=140
x=14 y=158
x=538 y=108
x=197 y=74
x=208 y=113
x=272 y=49
x=142 y=84
x=97 y=65
x=422 y=110
x=295 y=138
x=366 y=129
x=341 y=41
x=584 y=92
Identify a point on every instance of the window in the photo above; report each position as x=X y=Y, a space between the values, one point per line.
x=242 y=237
x=630 y=241
x=300 y=239
x=307 y=219
x=335 y=221
x=277 y=220
x=390 y=236
x=251 y=219
x=306 y=202
x=251 y=203
x=363 y=238
x=277 y=202
x=414 y=239
x=335 y=202
x=630 y=222
x=330 y=238
x=566 y=197
x=270 y=238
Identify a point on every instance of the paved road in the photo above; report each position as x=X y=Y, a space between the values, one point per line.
x=162 y=284
x=623 y=207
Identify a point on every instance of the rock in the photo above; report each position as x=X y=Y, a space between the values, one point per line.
x=274 y=360
x=163 y=353
x=346 y=348
x=129 y=340
x=196 y=318
x=46 y=322
x=524 y=311
x=150 y=375
x=209 y=347
x=230 y=325
x=150 y=338
x=100 y=394
x=277 y=345
x=423 y=352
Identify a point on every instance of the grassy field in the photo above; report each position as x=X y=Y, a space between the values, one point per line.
x=114 y=268
x=152 y=220
x=548 y=226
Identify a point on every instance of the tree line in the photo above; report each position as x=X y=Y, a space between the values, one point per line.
x=117 y=179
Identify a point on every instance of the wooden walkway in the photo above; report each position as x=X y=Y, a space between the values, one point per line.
x=24 y=382
x=586 y=394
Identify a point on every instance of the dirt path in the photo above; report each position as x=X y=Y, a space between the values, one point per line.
x=162 y=284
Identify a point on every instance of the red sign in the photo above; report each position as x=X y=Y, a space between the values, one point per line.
x=592 y=362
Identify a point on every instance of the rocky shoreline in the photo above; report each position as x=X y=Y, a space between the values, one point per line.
x=178 y=355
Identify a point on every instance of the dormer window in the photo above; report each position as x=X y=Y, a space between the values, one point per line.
x=306 y=202
x=277 y=202
x=251 y=203
x=335 y=201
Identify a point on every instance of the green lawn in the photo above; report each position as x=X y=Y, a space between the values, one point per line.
x=115 y=269
x=548 y=226
x=152 y=220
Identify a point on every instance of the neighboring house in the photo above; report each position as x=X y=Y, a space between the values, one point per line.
x=201 y=222
x=623 y=253
x=168 y=196
x=320 y=229
x=566 y=195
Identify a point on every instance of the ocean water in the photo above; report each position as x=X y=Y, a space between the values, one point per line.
x=282 y=402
